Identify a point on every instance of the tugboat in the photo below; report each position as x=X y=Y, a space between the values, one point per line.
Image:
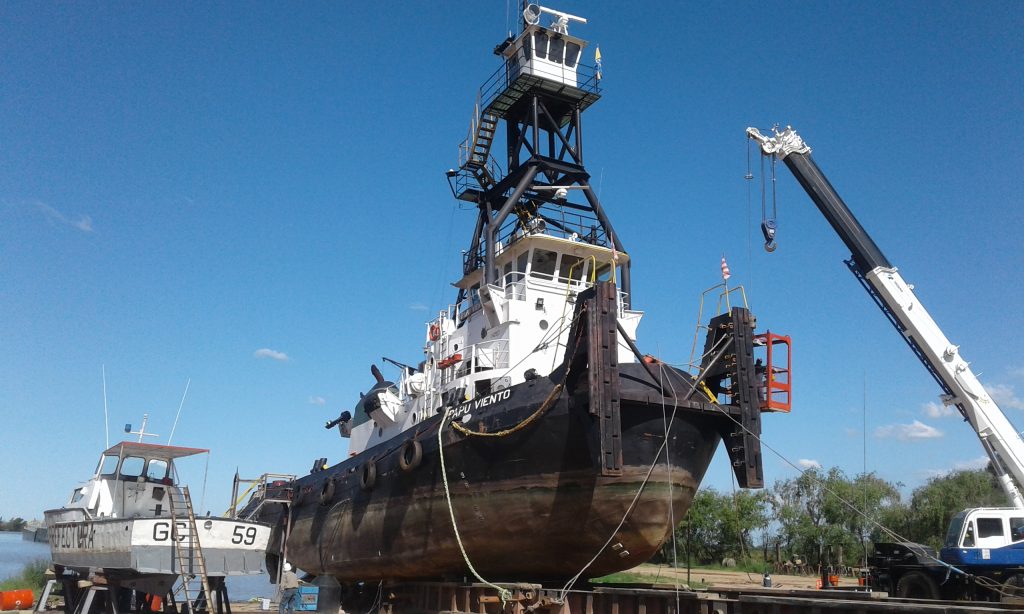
x=534 y=440
x=131 y=528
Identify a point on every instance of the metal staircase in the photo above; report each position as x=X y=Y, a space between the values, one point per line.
x=187 y=550
x=475 y=151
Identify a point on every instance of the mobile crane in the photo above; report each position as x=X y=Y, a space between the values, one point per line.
x=983 y=555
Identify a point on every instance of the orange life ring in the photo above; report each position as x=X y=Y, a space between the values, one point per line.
x=435 y=332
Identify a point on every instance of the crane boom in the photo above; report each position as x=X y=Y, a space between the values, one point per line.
x=961 y=387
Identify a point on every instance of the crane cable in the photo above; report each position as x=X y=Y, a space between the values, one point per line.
x=980 y=580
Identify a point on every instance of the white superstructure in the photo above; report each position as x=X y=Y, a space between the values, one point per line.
x=496 y=337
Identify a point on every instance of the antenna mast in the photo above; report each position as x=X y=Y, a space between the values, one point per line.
x=106 y=420
x=178 y=415
x=142 y=429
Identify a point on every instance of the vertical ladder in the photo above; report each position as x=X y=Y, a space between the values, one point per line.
x=181 y=500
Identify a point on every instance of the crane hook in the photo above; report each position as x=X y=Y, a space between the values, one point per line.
x=768 y=230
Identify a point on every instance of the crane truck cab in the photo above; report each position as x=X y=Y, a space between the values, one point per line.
x=985 y=537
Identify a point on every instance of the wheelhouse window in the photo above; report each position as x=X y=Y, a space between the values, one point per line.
x=570 y=265
x=76 y=496
x=990 y=527
x=572 y=53
x=108 y=465
x=131 y=466
x=522 y=261
x=540 y=41
x=604 y=271
x=156 y=470
x=543 y=265
x=556 y=50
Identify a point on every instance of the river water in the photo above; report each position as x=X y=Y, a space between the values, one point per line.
x=15 y=553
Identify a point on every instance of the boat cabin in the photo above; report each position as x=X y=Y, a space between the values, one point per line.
x=132 y=480
x=546 y=52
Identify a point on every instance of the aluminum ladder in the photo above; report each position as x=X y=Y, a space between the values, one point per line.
x=192 y=552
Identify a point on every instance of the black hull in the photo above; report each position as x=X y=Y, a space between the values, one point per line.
x=530 y=505
x=552 y=495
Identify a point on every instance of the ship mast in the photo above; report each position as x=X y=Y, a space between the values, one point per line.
x=539 y=93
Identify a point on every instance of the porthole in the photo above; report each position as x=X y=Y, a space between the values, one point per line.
x=380 y=432
x=543 y=324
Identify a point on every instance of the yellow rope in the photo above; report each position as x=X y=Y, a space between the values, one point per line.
x=555 y=392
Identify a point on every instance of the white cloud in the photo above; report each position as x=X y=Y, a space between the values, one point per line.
x=1005 y=396
x=970 y=465
x=1016 y=372
x=975 y=463
x=315 y=400
x=808 y=463
x=903 y=432
x=417 y=307
x=269 y=353
x=938 y=410
x=83 y=223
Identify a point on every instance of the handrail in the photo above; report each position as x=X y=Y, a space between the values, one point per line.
x=509 y=72
x=700 y=312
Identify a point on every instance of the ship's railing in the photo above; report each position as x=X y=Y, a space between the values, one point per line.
x=465 y=184
x=514 y=284
x=482 y=356
x=555 y=221
x=507 y=74
x=266 y=489
x=564 y=224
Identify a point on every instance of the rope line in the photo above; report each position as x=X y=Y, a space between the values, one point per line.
x=650 y=470
x=503 y=593
x=981 y=580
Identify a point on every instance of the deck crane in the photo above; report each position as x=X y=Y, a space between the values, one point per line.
x=985 y=542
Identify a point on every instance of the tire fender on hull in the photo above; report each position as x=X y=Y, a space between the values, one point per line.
x=411 y=455
x=368 y=477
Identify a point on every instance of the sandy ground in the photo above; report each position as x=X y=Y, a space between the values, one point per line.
x=738 y=579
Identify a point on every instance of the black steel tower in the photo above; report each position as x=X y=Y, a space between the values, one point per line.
x=540 y=93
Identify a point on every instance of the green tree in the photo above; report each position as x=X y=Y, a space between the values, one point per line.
x=718 y=525
x=933 y=505
x=819 y=510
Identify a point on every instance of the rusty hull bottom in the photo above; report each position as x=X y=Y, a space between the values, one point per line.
x=515 y=523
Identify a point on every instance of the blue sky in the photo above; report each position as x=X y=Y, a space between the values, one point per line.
x=182 y=185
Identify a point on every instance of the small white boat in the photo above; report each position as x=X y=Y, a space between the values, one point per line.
x=122 y=523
